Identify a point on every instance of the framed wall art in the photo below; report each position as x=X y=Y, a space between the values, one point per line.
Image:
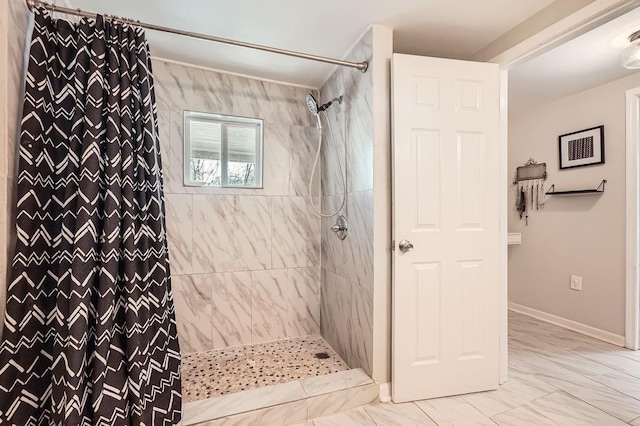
x=581 y=148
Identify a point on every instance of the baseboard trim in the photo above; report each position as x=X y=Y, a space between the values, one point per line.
x=587 y=330
x=385 y=392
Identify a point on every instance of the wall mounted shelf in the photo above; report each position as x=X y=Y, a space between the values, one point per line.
x=598 y=190
x=514 y=238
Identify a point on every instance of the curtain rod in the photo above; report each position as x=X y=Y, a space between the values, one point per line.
x=362 y=66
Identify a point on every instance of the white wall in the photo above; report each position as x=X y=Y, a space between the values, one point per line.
x=582 y=235
x=381 y=69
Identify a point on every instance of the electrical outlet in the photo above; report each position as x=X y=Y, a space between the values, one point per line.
x=576 y=282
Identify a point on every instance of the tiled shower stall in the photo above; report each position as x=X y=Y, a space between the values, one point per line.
x=14 y=26
x=347 y=265
x=252 y=266
x=257 y=266
x=245 y=262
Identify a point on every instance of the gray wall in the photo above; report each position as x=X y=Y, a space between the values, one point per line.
x=245 y=262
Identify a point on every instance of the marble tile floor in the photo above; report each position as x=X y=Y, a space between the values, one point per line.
x=556 y=377
x=220 y=372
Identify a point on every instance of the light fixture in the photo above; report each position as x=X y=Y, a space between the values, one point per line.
x=630 y=56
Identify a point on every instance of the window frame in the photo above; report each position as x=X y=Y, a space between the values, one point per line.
x=225 y=121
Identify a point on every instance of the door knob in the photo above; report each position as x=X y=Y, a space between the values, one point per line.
x=405 y=246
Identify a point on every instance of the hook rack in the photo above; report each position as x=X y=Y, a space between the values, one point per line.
x=598 y=190
x=531 y=170
x=529 y=181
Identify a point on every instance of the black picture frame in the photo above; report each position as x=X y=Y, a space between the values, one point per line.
x=582 y=148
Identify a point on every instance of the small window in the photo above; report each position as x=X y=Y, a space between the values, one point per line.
x=222 y=150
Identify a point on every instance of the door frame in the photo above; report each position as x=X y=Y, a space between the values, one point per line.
x=632 y=293
x=580 y=22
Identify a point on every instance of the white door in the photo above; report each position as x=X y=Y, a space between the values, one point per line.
x=446 y=204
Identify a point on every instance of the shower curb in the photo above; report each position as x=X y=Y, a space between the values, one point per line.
x=284 y=404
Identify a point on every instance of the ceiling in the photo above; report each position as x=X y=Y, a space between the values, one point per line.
x=580 y=64
x=444 y=28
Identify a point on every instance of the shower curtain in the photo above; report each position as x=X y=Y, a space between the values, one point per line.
x=89 y=334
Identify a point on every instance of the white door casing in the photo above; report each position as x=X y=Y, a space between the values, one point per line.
x=632 y=285
x=446 y=190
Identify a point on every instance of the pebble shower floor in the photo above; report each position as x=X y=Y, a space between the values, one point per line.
x=214 y=373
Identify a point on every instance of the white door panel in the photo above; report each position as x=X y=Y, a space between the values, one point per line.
x=446 y=203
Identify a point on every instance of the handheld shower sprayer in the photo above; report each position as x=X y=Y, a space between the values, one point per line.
x=312 y=105
x=315 y=109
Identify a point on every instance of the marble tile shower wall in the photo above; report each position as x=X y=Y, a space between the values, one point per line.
x=347 y=266
x=14 y=28
x=245 y=262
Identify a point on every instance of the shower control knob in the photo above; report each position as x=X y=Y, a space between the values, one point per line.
x=340 y=228
x=405 y=246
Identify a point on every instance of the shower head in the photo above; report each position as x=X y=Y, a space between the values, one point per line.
x=316 y=109
x=312 y=104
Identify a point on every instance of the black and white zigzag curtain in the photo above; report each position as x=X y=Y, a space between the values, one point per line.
x=90 y=335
